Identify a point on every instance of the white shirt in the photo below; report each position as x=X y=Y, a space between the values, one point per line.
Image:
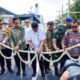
x=26 y=32
x=36 y=37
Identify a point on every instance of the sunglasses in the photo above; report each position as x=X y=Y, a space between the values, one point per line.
x=17 y=23
x=74 y=26
x=26 y=22
x=0 y=24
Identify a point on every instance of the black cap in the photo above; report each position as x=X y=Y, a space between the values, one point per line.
x=15 y=19
x=34 y=25
x=50 y=23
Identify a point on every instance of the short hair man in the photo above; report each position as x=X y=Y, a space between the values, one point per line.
x=36 y=38
x=16 y=36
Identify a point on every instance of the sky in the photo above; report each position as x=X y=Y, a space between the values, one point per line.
x=47 y=8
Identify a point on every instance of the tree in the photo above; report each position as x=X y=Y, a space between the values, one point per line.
x=75 y=7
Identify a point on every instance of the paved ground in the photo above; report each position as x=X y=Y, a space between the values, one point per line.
x=8 y=76
x=29 y=71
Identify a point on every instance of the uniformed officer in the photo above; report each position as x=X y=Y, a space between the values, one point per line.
x=66 y=27
x=58 y=34
x=57 y=37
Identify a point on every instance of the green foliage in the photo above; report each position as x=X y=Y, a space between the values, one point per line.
x=75 y=7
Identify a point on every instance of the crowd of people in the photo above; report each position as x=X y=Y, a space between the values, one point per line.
x=32 y=37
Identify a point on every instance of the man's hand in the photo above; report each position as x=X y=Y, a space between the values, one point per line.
x=63 y=46
x=65 y=76
x=40 y=49
x=16 y=48
x=57 y=49
x=37 y=50
x=48 y=50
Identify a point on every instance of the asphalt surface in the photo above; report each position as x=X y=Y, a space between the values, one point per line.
x=29 y=71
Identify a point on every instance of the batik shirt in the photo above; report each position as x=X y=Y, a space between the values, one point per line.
x=48 y=41
x=72 y=38
x=17 y=37
x=2 y=37
x=7 y=31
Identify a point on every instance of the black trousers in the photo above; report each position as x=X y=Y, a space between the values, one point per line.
x=44 y=65
x=6 y=52
x=63 y=60
x=54 y=57
x=17 y=61
x=24 y=56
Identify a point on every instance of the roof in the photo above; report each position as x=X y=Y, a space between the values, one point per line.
x=5 y=11
x=29 y=16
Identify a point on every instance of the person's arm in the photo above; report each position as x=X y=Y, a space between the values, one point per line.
x=64 y=42
x=54 y=40
x=5 y=39
x=28 y=39
x=41 y=44
x=64 y=76
x=63 y=45
x=11 y=39
x=43 y=38
x=46 y=47
x=31 y=45
x=55 y=46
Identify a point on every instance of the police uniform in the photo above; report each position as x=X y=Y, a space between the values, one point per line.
x=58 y=34
x=57 y=37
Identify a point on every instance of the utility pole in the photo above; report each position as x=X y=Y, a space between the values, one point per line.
x=68 y=8
x=62 y=15
x=59 y=14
